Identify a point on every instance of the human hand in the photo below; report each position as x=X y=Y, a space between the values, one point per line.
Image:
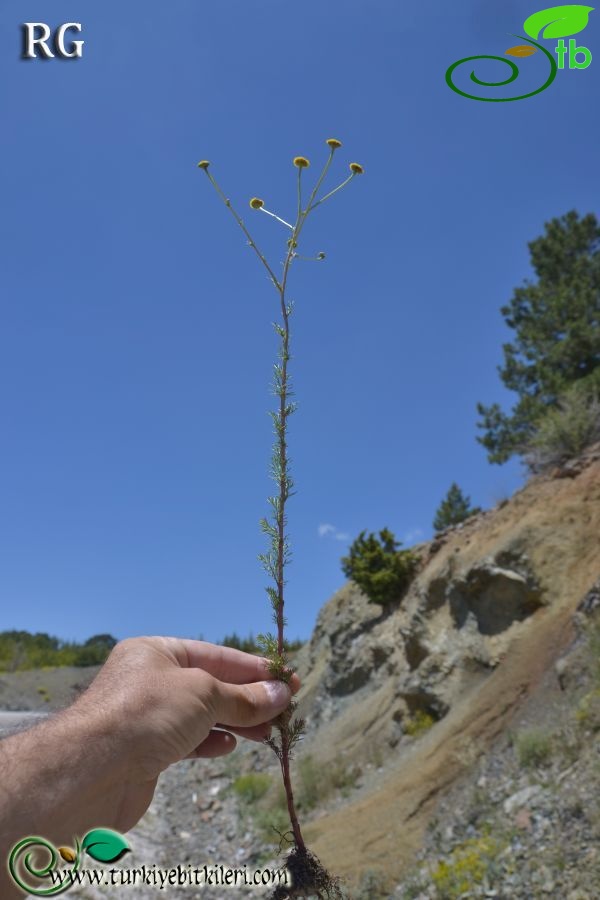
x=168 y=699
x=155 y=701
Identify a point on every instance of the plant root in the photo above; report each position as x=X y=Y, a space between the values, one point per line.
x=309 y=879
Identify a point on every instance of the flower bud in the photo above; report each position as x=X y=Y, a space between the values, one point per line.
x=301 y=162
x=356 y=169
x=257 y=203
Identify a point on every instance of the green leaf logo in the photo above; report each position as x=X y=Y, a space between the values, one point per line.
x=557 y=21
x=104 y=845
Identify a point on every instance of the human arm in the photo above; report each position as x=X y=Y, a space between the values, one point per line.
x=155 y=701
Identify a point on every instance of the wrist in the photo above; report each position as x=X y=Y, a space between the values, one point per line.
x=53 y=775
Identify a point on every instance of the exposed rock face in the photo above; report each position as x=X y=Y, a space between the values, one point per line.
x=569 y=668
x=496 y=597
x=591 y=602
x=449 y=632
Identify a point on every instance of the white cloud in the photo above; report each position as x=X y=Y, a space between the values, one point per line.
x=327 y=530
x=413 y=535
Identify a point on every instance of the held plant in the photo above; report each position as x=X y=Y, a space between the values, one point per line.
x=308 y=875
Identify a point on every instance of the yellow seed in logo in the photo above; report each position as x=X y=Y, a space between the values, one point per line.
x=67 y=854
x=521 y=50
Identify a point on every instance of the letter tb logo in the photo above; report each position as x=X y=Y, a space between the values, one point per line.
x=574 y=51
x=554 y=22
x=37 y=38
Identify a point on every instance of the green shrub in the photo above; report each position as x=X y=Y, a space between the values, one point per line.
x=592 y=631
x=318 y=783
x=270 y=816
x=466 y=867
x=373 y=886
x=587 y=714
x=311 y=780
x=342 y=777
x=534 y=748
x=418 y=724
x=252 y=787
x=265 y=803
x=567 y=429
x=379 y=569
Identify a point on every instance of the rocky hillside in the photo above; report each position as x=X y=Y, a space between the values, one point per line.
x=452 y=743
x=425 y=688
x=524 y=822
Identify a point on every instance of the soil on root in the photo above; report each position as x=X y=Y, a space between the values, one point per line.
x=309 y=879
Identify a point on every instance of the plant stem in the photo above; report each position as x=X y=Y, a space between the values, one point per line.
x=251 y=242
x=283 y=496
x=283 y=485
x=331 y=193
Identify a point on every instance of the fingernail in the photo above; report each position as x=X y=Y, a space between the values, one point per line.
x=278 y=692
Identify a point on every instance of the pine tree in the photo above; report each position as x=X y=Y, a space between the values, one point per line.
x=454 y=508
x=556 y=324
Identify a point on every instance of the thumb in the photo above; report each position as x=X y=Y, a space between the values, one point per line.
x=250 y=704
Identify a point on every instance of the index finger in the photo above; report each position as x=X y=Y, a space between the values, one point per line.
x=230 y=665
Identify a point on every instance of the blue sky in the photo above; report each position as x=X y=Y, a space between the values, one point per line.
x=135 y=342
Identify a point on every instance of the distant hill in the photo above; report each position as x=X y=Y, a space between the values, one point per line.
x=21 y=650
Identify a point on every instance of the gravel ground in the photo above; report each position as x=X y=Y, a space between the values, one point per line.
x=526 y=823
x=195 y=821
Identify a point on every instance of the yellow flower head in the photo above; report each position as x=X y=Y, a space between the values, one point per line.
x=356 y=169
x=333 y=143
x=256 y=203
x=203 y=164
x=301 y=162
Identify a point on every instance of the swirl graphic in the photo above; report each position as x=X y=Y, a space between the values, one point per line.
x=17 y=864
x=514 y=73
